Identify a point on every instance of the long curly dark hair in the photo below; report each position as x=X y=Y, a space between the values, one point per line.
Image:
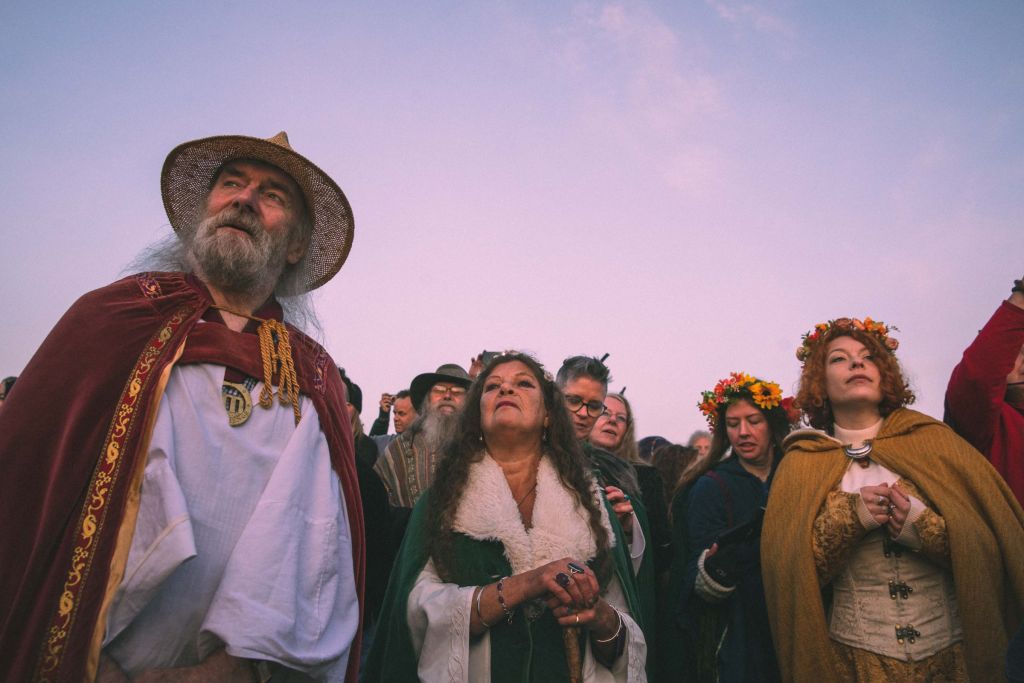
x=812 y=398
x=561 y=448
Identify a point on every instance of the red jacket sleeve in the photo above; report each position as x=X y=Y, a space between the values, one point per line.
x=974 y=397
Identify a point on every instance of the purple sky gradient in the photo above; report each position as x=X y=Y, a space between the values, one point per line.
x=686 y=186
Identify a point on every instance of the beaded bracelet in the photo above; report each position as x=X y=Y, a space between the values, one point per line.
x=615 y=635
x=479 y=594
x=501 y=600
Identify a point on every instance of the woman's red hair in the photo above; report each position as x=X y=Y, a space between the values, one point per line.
x=812 y=398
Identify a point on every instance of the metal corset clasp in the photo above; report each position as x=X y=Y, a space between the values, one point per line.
x=908 y=633
x=899 y=588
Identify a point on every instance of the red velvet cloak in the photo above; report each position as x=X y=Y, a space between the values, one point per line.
x=75 y=430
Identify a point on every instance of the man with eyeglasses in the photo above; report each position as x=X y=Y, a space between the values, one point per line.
x=407 y=465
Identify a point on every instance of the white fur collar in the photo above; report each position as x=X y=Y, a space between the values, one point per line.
x=487 y=512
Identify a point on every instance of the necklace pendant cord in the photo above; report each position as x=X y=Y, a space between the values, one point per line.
x=275 y=351
x=526 y=495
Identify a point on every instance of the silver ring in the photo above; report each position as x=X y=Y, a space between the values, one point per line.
x=577 y=619
x=881 y=500
x=576 y=569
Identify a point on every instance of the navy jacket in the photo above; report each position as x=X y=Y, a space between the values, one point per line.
x=716 y=503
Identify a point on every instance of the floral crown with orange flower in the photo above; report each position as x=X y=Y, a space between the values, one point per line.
x=764 y=394
x=822 y=331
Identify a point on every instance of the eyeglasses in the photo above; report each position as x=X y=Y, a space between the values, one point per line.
x=618 y=418
x=442 y=389
x=574 y=402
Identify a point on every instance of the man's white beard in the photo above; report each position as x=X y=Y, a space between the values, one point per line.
x=235 y=263
x=436 y=428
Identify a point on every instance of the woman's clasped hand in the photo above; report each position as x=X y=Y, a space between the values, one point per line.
x=888 y=505
x=574 y=596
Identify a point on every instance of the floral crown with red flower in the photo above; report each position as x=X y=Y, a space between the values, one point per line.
x=822 y=331
x=762 y=393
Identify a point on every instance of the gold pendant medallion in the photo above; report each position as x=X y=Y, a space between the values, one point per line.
x=237 y=401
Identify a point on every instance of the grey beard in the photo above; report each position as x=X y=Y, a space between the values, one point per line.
x=436 y=429
x=172 y=253
x=233 y=263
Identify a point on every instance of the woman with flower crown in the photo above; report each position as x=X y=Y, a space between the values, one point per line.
x=717 y=580
x=514 y=566
x=891 y=548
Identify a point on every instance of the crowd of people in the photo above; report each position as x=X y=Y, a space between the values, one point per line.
x=204 y=502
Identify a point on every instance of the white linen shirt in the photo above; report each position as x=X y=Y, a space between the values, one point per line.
x=242 y=540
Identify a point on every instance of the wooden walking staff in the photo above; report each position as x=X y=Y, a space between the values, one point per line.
x=573 y=655
x=571 y=634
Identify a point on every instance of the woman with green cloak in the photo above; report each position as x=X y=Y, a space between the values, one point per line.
x=512 y=568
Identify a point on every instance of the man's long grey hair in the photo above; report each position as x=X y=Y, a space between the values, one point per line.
x=170 y=254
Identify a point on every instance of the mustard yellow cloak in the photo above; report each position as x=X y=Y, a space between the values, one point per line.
x=984 y=523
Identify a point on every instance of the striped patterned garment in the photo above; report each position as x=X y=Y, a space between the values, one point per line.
x=406 y=468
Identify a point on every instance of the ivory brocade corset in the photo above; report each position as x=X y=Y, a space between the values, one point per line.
x=894 y=602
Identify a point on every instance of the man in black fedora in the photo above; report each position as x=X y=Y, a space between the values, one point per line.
x=407 y=465
x=179 y=488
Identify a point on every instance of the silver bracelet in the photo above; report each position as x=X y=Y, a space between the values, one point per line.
x=614 y=635
x=479 y=614
x=509 y=612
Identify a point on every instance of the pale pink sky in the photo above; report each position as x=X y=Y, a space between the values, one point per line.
x=687 y=186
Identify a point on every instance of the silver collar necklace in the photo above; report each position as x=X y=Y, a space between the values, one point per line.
x=858 y=453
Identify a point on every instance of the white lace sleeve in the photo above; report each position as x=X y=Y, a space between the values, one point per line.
x=438 y=615
x=631 y=666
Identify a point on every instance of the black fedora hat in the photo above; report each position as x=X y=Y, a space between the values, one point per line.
x=449 y=372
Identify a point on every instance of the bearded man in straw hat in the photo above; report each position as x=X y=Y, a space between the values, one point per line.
x=179 y=498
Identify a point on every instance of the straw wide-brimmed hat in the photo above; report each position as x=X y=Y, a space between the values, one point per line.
x=189 y=171
x=449 y=372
